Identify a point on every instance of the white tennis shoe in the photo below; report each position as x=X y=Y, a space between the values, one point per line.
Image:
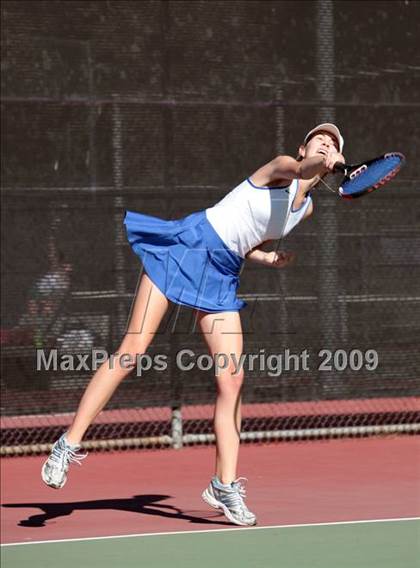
x=230 y=500
x=54 y=470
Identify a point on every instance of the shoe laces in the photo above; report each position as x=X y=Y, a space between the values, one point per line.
x=234 y=497
x=63 y=454
x=239 y=486
x=233 y=500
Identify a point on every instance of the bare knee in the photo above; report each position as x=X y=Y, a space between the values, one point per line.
x=230 y=383
x=134 y=343
x=133 y=346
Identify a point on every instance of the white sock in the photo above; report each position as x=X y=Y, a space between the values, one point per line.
x=73 y=446
x=224 y=485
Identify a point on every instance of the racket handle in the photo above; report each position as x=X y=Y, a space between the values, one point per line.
x=340 y=167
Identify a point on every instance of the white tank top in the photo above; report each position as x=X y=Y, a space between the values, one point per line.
x=250 y=214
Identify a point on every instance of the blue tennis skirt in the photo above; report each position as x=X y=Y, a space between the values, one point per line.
x=187 y=260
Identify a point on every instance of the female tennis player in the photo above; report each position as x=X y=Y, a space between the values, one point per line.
x=195 y=261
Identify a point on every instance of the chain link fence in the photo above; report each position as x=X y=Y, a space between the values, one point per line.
x=163 y=107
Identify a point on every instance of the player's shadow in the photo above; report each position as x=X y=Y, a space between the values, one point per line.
x=143 y=504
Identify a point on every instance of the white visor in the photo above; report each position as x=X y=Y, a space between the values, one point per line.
x=331 y=129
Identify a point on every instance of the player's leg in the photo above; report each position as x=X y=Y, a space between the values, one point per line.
x=149 y=308
x=223 y=335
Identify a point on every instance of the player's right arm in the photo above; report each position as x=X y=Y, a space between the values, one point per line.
x=285 y=168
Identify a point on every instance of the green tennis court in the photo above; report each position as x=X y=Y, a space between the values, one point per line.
x=377 y=544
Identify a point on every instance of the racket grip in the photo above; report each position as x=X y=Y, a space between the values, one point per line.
x=340 y=167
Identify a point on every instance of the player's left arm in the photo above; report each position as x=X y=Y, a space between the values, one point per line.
x=257 y=255
x=273 y=258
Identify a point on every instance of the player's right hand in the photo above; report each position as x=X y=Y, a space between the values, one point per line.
x=331 y=158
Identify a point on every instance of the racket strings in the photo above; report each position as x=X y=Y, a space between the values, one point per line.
x=376 y=174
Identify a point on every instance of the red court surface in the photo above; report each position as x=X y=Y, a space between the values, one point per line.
x=159 y=491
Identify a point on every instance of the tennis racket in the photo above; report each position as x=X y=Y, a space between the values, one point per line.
x=363 y=178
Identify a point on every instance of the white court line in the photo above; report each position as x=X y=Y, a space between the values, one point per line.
x=214 y=531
